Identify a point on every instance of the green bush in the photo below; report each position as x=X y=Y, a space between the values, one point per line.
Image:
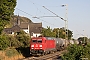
x=77 y=52
x=14 y=42
x=4 y=43
x=23 y=38
x=20 y=40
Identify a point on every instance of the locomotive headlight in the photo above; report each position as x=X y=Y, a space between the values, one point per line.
x=32 y=45
x=32 y=48
x=40 y=45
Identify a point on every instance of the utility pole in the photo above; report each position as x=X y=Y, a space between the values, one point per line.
x=66 y=22
x=58 y=33
x=84 y=35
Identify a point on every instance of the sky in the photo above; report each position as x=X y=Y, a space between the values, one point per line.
x=78 y=14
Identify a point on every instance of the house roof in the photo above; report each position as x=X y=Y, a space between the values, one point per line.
x=15 y=28
x=24 y=25
x=35 y=27
x=7 y=30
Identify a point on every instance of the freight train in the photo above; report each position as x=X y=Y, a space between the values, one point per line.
x=45 y=45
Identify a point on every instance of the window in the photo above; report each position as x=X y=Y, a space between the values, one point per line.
x=37 y=41
x=34 y=41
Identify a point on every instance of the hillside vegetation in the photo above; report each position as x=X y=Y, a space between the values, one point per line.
x=14 y=19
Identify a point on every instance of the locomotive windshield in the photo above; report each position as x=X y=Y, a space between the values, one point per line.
x=37 y=41
x=34 y=41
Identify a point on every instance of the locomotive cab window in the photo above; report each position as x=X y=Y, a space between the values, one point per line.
x=39 y=41
x=34 y=41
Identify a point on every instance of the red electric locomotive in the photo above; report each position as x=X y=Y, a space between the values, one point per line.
x=42 y=45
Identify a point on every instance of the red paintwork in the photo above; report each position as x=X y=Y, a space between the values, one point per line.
x=46 y=44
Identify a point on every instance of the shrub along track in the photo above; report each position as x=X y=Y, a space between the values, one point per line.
x=46 y=57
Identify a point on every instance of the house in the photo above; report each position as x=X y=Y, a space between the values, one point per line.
x=33 y=29
x=12 y=30
x=25 y=27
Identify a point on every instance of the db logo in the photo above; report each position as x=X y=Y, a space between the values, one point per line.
x=36 y=45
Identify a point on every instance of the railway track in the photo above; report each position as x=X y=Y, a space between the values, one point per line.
x=46 y=57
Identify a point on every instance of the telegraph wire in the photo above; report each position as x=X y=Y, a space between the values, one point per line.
x=47 y=22
x=39 y=5
x=35 y=4
x=80 y=33
x=37 y=9
x=24 y=11
x=32 y=16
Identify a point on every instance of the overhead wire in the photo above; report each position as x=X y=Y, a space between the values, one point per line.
x=32 y=16
x=24 y=11
x=42 y=6
x=80 y=33
x=38 y=10
x=35 y=6
x=44 y=14
x=47 y=22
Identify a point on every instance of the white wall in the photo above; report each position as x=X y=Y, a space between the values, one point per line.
x=35 y=35
x=26 y=30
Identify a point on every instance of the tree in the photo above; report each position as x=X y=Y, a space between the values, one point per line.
x=82 y=40
x=13 y=41
x=77 y=52
x=70 y=34
x=56 y=32
x=4 y=43
x=6 y=11
x=48 y=32
x=61 y=33
x=23 y=38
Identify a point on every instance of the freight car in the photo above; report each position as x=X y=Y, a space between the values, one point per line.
x=44 y=45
